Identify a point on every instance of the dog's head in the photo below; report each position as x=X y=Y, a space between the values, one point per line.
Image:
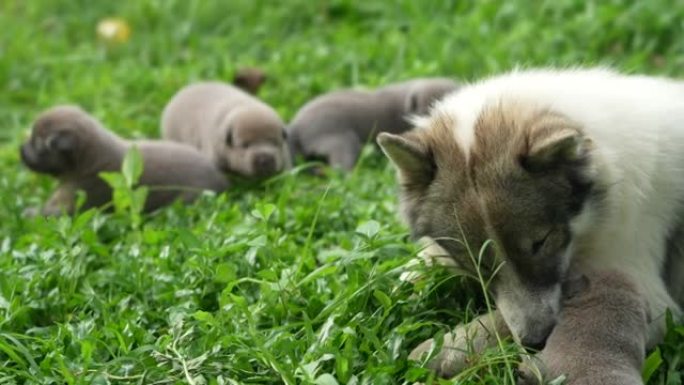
x=254 y=143
x=521 y=180
x=58 y=141
x=424 y=92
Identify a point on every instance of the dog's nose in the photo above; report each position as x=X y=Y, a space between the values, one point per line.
x=537 y=341
x=264 y=164
x=534 y=346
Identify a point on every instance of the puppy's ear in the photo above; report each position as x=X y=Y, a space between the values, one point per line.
x=229 y=136
x=411 y=104
x=573 y=286
x=557 y=147
x=410 y=157
x=61 y=141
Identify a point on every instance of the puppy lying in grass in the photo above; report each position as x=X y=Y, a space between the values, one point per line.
x=237 y=131
x=600 y=337
x=75 y=148
x=334 y=126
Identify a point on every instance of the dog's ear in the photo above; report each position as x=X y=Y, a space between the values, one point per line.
x=229 y=136
x=411 y=157
x=61 y=141
x=574 y=285
x=558 y=146
x=411 y=105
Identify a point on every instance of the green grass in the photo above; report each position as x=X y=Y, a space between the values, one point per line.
x=294 y=281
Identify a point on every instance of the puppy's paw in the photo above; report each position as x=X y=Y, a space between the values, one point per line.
x=46 y=211
x=431 y=254
x=532 y=371
x=463 y=346
x=31 y=212
x=448 y=362
x=419 y=351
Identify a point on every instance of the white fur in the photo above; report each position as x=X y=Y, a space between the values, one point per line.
x=637 y=126
x=470 y=106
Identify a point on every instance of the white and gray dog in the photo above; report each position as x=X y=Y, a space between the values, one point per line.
x=566 y=171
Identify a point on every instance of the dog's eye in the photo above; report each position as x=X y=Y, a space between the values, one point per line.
x=537 y=245
x=61 y=141
x=37 y=143
x=229 y=139
x=284 y=134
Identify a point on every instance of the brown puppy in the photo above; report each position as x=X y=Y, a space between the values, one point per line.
x=237 y=131
x=249 y=79
x=600 y=338
x=74 y=147
x=334 y=126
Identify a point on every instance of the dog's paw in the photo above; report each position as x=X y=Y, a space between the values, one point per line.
x=463 y=346
x=431 y=254
x=533 y=371
x=421 y=350
x=448 y=362
x=31 y=212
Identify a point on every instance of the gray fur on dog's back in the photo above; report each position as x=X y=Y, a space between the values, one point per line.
x=334 y=126
x=237 y=131
x=601 y=335
x=191 y=116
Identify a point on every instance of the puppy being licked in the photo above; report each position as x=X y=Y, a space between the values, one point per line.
x=566 y=172
x=72 y=146
x=335 y=126
x=600 y=337
x=237 y=131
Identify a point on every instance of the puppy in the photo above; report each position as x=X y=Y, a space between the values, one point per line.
x=238 y=132
x=562 y=172
x=249 y=79
x=600 y=338
x=74 y=147
x=335 y=126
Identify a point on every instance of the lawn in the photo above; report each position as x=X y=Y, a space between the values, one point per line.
x=296 y=280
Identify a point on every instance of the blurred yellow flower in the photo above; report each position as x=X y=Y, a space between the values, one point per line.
x=113 y=30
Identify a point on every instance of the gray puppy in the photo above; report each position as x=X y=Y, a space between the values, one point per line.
x=237 y=131
x=600 y=338
x=74 y=147
x=334 y=126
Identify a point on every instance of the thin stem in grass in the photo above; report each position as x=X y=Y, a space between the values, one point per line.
x=16 y=345
x=490 y=309
x=140 y=377
x=261 y=351
x=484 y=285
x=182 y=360
x=361 y=159
x=309 y=236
